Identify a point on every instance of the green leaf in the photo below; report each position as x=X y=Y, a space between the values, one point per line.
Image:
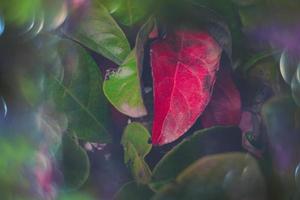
x=141 y=40
x=136 y=147
x=75 y=163
x=129 y=12
x=137 y=135
x=122 y=88
x=79 y=94
x=134 y=191
x=187 y=152
x=99 y=32
x=222 y=176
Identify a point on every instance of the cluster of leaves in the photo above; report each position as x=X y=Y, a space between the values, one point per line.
x=240 y=85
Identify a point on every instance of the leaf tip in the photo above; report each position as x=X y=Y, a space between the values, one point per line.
x=133 y=111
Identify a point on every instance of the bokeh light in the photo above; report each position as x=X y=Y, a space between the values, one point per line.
x=297 y=175
x=4 y=107
x=2 y=25
x=295 y=87
x=288 y=66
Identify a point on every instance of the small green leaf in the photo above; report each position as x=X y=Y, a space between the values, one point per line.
x=99 y=32
x=137 y=135
x=139 y=168
x=122 y=88
x=222 y=176
x=136 y=147
x=79 y=94
x=75 y=164
x=134 y=191
x=187 y=152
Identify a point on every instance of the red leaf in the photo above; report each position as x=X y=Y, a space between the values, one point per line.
x=225 y=105
x=184 y=66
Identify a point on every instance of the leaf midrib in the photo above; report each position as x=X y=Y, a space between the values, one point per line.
x=173 y=88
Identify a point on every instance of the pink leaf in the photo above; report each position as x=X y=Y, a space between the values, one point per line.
x=225 y=105
x=184 y=66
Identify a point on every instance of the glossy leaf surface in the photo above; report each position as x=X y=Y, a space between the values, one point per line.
x=288 y=66
x=224 y=107
x=79 y=94
x=203 y=142
x=184 y=66
x=135 y=142
x=229 y=176
x=99 y=32
x=123 y=90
